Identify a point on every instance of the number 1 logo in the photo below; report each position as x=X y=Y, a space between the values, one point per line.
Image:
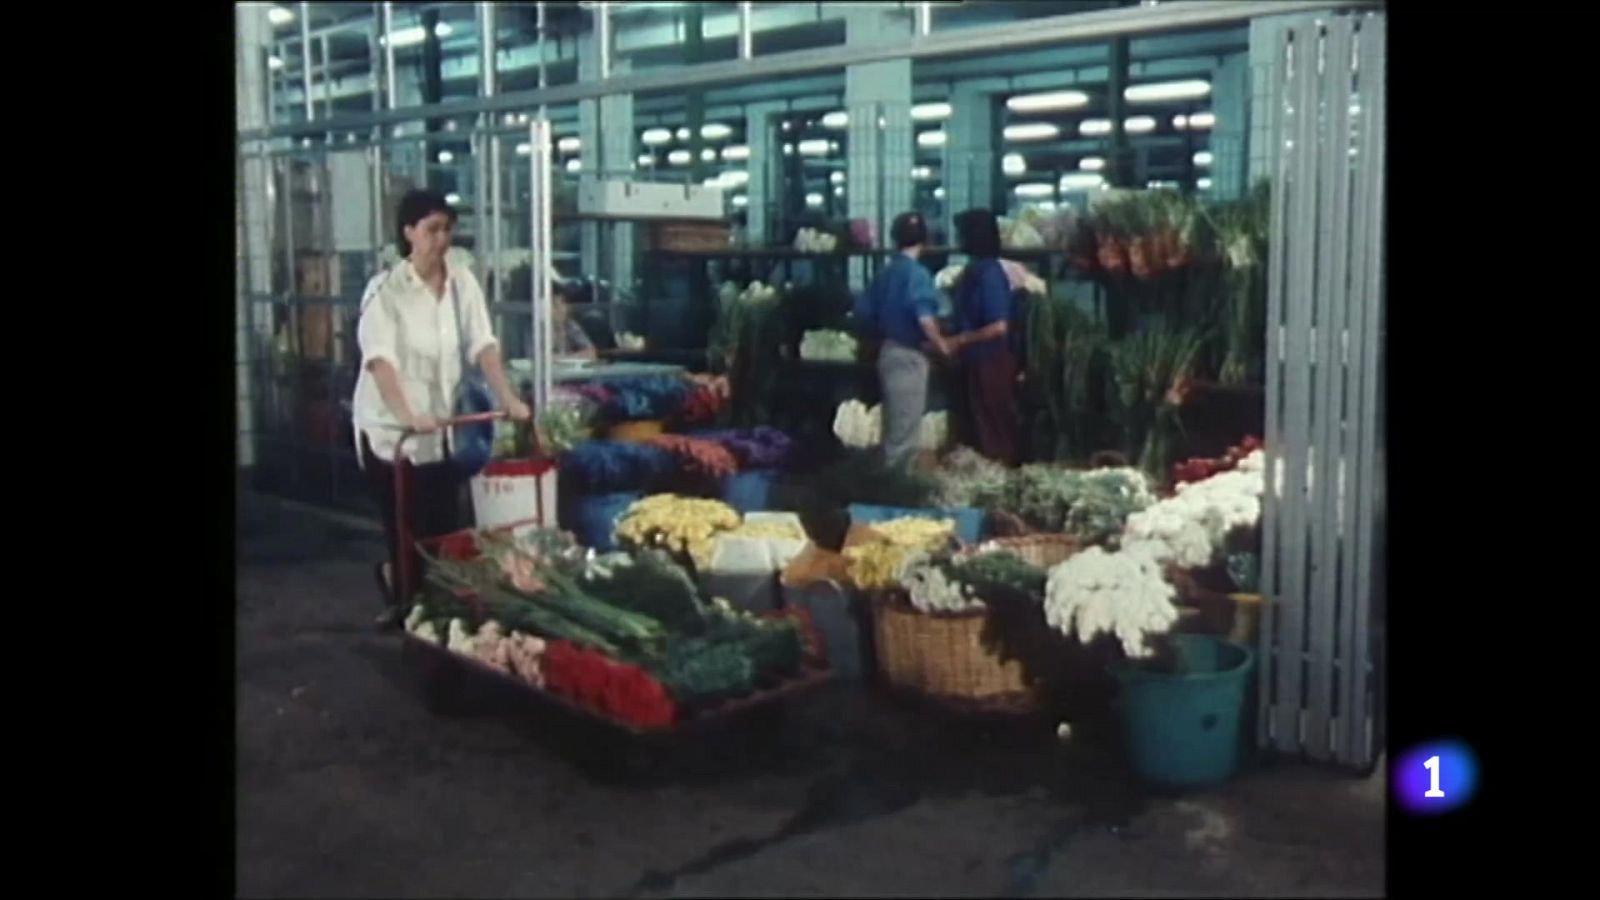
x=1437 y=777
x=1432 y=765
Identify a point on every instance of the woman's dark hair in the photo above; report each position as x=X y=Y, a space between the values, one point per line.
x=979 y=232
x=909 y=229
x=414 y=207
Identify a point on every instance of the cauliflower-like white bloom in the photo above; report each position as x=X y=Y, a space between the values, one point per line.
x=932 y=591
x=1123 y=594
x=459 y=640
x=857 y=426
x=828 y=345
x=1190 y=526
x=414 y=619
x=934 y=432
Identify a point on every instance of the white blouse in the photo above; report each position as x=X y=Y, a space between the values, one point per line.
x=418 y=333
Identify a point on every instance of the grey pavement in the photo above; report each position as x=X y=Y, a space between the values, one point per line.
x=351 y=785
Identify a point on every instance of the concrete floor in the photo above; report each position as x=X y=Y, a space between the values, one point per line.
x=349 y=787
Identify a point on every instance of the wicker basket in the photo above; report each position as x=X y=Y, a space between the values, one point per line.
x=942 y=657
x=1043 y=551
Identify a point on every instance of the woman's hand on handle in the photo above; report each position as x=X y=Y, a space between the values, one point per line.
x=423 y=424
x=518 y=411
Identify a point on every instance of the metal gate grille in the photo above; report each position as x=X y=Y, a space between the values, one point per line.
x=1323 y=507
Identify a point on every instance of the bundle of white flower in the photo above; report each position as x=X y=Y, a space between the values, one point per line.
x=1189 y=527
x=758 y=293
x=809 y=240
x=630 y=341
x=1019 y=234
x=416 y=627
x=933 y=591
x=1123 y=594
x=515 y=654
x=828 y=345
x=858 y=426
x=1017 y=275
x=935 y=431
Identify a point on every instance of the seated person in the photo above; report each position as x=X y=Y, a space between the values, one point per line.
x=569 y=340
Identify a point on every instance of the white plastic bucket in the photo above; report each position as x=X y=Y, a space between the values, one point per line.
x=514 y=492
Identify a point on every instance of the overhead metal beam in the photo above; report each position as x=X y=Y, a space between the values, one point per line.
x=1122 y=21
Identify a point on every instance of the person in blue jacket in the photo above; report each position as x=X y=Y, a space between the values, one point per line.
x=901 y=307
x=985 y=307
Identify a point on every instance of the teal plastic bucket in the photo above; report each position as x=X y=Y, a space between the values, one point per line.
x=1186 y=729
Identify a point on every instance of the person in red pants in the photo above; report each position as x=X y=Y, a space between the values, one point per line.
x=984 y=310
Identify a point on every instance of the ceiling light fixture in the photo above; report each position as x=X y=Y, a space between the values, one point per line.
x=1047 y=101
x=1166 y=91
x=1032 y=131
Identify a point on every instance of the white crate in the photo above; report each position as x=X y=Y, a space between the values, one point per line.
x=625 y=199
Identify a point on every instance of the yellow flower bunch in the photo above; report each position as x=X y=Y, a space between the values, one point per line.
x=916 y=532
x=783 y=531
x=678 y=524
x=876 y=565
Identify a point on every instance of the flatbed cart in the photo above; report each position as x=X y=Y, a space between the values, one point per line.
x=450 y=680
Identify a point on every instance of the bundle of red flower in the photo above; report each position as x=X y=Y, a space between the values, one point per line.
x=458 y=547
x=702 y=404
x=698 y=457
x=617 y=689
x=1199 y=469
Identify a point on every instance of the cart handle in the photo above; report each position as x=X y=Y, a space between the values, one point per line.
x=404 y=579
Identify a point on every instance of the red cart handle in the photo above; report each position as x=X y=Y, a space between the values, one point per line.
x=404 y=578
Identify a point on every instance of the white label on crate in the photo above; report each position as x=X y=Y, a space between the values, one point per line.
x=501 y=500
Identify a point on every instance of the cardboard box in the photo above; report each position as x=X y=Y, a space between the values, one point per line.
x=623 y=199
x=815 y=565
x=691 y=237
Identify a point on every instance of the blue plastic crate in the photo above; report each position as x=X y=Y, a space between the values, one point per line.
x=750 y=491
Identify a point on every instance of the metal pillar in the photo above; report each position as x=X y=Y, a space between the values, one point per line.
x=1323 y=510
x=541 y=161
x=1266 y=70
x=490 y=249
x=305 y=59
x=746 y=36
x=1119 y=159
x=878 y=101
x=971 y=162
x=617 y=156
x=253 y=234
x=1230 y=102
x=391 y=80
x=589 y=67
x=761 y=191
